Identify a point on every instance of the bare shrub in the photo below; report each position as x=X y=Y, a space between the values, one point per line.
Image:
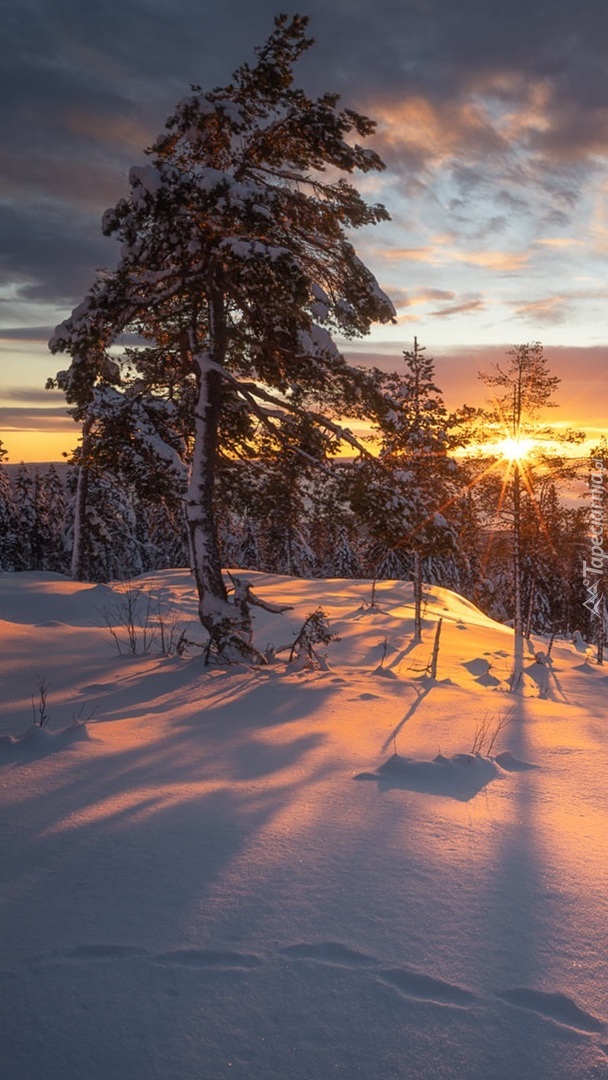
x=487 y=732
x=39 y=703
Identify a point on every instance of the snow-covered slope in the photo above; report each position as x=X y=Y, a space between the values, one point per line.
x=273 y=874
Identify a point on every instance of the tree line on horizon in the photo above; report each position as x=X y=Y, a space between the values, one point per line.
x=352 y=520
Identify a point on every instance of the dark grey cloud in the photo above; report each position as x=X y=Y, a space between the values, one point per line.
x=34 y=419
x=46 y=398
x=50 y=249
x=26 y=333
x=84 y=87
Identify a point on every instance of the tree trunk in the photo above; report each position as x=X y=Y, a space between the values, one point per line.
x=80 y=506
x=518 y=644
x=213 y=604
x=435 y=656
x=601 y=632
x=217 y=615
x=417 y=597
x=530 y=611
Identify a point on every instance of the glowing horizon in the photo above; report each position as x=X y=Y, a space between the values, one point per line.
x=33 y=446
x=35 y=427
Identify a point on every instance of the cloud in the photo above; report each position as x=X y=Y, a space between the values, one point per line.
x=418 y=133
x=403 y=298
x=492 y=120
x=35 y=419
x=460 y=309
x=561 y=243
x=444 y=254
x=500 y=261
x=50 y=256
x=422 y=295
x=550 y=309
x=413 y=254
x=557 y=307
x=25 y=333
x=33 y=395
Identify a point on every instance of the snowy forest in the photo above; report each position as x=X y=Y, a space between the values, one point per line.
x=279 y=517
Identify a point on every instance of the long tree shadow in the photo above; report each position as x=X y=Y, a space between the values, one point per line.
x=422 y=690
x=542 y=1028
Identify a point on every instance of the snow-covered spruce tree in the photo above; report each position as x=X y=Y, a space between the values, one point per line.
x=236 y=266
x=9 y=528
x=275 y=499
x=131 y=438
x=115 y=542
x=53 y=521
x=405 y=495
x=26 y=493
x=332 y=531
x=545 y=564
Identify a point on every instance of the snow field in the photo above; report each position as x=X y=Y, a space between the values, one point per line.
x=229 y=871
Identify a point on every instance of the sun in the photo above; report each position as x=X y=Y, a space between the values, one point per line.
x=514 y=449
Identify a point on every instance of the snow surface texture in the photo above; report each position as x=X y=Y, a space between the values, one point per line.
x=269 y=875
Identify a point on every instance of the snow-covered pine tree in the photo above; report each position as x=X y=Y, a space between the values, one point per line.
x=53 y=521
x=285 y=466
x=9 y=540
x=344 y=563
x=236 y=265
x=26 y=492
x=114 y=542
x=385 y=562
x=133 y=437
x=405 y=496
x=164 y=527
x=331 y=528
x=522 y=387
x=545 y=566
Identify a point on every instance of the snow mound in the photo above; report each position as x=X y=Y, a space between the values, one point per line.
x=38 y=741
x=510 y=763
x=461 y=776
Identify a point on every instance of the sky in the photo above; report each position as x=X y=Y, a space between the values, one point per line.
x=492 y=122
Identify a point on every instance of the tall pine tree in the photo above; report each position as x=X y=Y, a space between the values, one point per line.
x=236 y=266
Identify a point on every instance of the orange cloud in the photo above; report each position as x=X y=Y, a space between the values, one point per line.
x=559 y=242
x=434 y=134
x=548 y=309
x=445 y=253
x=529 y=115
x=417 y=254
x=403 y=298
x=494 y=260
